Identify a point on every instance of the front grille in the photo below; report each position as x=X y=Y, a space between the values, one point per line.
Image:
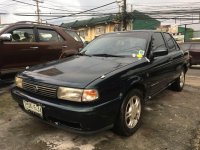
x=40 y=89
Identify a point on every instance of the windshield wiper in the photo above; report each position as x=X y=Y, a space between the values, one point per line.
x=106 y=55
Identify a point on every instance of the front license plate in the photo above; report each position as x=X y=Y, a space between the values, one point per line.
x=34 y=108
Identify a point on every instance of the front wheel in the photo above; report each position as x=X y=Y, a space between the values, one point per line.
x=130 y=114
x=179 y=82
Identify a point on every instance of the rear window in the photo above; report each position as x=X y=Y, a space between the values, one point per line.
x=185 y=46
x=2 y=27
x=195 y=47
x=74 y=35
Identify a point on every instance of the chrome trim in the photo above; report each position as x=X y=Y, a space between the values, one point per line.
x=40 y=89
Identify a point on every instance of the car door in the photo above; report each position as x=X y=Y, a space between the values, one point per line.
x=21 y=51
x=50 y=43
x=176 y=57
x=158 y=68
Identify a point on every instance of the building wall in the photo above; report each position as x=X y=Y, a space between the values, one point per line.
x=145 y=24
x=92 y=32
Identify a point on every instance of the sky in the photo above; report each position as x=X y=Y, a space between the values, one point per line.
x=67 y=6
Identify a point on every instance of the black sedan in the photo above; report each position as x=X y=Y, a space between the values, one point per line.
x=104 y=86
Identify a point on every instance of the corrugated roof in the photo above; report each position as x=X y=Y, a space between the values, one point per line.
x=89 y=22
x=103 y=20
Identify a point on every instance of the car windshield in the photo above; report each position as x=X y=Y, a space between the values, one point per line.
x=118 y=45
x=2 y=27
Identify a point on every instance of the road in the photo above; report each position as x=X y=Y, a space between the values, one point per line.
x=171 y=122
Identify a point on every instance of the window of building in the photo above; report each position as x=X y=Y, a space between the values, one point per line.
x=83 y=33
x=100 y=30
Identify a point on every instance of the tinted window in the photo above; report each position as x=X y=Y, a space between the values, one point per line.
x=158 y=42
x=23 y=35
x=170 y=42
x=74 y=35
x=49 y=36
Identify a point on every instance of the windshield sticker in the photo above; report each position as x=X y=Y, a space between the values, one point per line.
x=140 y=54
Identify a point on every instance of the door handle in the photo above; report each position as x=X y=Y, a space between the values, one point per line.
x=64 y=46
x=34 y=47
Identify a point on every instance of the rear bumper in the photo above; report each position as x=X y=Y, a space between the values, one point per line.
x=79 y=118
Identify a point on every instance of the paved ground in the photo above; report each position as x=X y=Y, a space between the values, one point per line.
x=171 y=122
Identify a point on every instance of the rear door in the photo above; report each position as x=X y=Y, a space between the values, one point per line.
x=176 y=57
x=51 y=44
x=22 y=51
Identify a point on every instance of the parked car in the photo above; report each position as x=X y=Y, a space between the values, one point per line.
x=26 y=44
x=106 y=85
x=194 y=51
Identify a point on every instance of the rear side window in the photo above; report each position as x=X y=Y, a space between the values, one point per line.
x=170 y=42
x=158 y=42
x=74 y=35
x=185 y=46
x=46 y=35
x=22 y=35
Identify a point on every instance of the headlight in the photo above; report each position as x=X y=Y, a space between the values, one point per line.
x=77 y=95
x=19 y=82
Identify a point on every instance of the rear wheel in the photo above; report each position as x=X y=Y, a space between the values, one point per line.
x=179 y=83
x=130 y=114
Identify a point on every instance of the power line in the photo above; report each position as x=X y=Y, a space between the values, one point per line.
x=83 y=11
x=40 y=6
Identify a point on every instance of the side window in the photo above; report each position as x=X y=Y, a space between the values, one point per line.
x=23 y=35
x=46 y=35
x=170 y=42
x=158 y=42
x=74 y=35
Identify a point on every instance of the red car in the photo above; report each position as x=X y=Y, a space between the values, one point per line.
x=194 y=50
x=27 y=43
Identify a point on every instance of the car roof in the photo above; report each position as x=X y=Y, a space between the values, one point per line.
x=133 y=31
x=30 y=23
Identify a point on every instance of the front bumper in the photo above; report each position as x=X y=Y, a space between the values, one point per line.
x=79 y=117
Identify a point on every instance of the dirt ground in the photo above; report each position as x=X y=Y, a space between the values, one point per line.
x=171 y=122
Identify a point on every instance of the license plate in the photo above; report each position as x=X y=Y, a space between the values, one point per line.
x=34 y=108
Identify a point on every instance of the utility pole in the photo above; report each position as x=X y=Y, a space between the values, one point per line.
x=38 y=11
x=124 y=16
x=185 y=32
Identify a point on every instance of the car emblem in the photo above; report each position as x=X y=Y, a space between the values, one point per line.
x=36 y=88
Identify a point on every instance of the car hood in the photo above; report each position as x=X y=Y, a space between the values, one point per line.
x=76 y=71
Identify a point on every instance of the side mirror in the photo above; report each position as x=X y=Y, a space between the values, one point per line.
x=160 y=52
x=6 y=37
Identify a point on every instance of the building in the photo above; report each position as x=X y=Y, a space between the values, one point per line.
x=179 y=33
x=91 y=28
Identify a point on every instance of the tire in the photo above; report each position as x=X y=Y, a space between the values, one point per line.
x=179 y=82
x=129 y=120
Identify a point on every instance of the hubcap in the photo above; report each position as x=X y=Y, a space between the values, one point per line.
x=133 y=111
x=182 y=79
